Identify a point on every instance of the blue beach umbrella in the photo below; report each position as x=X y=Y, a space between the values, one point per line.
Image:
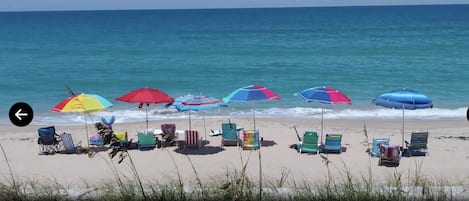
x=196 y=103
x=404 y=99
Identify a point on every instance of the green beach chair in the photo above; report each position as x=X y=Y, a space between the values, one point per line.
x=146 y=140
x=309 y=143
x=333 y=143
x=418 y=144
x=229 y=134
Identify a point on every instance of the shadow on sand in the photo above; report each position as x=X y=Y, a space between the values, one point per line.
x=206 y=150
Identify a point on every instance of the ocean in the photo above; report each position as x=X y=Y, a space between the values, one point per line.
x=362 y=51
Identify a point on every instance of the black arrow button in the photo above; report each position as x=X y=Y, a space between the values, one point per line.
x=21 y=114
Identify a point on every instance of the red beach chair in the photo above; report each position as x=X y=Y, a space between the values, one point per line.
x=390 y=155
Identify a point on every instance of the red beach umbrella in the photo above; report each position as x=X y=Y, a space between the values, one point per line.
x=146 y=96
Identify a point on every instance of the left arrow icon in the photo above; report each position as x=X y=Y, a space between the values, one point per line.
x=18 y=114
x=21 y=114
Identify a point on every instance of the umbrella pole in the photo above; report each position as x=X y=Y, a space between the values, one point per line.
x=146 y=119
x=190 y=123
x=322 y=122
x=205 y=127
x=86 y=127
x=254 y=116
x=403 y=127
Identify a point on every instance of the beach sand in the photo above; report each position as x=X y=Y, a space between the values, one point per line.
x=447 y=160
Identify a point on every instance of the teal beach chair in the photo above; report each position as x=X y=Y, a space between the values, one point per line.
x=229 y=134
x=309 y=143
x=333 y=143
x=375 y=152
x=146 y=140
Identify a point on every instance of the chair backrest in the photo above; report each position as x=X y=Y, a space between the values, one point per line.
x=229 y=131
x=122 y=136
x=146 y=138
x=376 y=142
x=47 y=136
x=389 y=152
x=333 y=142
x=192 y=137
x=419 y=139
x=168 y=129
x=310 y=139
x=251 y=139
x=67 y=141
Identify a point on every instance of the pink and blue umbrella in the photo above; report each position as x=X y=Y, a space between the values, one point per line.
x=404 y=99
x=251 y=93
x=325 y=95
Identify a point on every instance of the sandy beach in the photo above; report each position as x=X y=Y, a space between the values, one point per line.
x=447 y=160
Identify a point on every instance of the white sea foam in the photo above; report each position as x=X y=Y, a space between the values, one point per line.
x=134 y=115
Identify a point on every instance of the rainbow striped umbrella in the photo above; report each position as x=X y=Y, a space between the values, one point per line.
x=325 y=95
x=83 y=103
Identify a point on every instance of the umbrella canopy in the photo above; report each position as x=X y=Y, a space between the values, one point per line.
x=146 y=96
x=83 y=103
x=197 y=103
x=249 y=94
x=404 y=99
x=324 y=95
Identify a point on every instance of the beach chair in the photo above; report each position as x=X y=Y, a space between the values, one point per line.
x=309 y=143
x=229 y=134
x=123 y=138
x=192 y=139
x=251 y=140
x=375 y=152
x=96 y=140
x=333 y=143
x=67 y=140
x=389 y=155
x=48 y=140
x=169 y=134
x=146 y=140
x=418 y=144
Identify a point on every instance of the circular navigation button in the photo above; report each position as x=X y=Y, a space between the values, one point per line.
x=21 y=114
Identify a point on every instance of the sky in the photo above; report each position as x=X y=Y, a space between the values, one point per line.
x=46 y=5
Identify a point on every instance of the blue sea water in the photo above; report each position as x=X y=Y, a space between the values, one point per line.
x=362 y=51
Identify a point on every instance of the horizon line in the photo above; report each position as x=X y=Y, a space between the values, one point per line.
x=228 y=8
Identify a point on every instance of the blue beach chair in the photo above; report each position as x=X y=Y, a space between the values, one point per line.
x=333 y=143
x=48 y=140
x=375 y=152
x=418 y=144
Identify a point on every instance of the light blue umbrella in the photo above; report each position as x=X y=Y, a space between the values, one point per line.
x=404 y=99
x=197 y=103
